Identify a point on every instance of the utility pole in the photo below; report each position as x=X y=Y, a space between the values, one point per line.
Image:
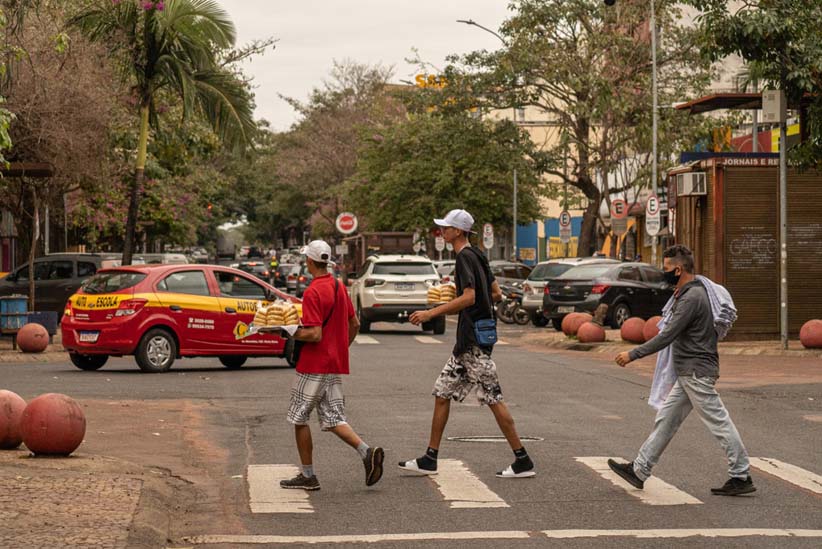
x=515 y=215
x=783 y=232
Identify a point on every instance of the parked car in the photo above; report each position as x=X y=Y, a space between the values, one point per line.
x=388 y=288
x=57 y=277
x=159 y=313
x=198 y=255
x=534 y=285
x=508 y=272
x=629 y=289
x=257 y=268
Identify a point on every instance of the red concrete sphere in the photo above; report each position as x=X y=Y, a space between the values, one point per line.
x=11 y=413
x=33 y=338
x=811 y=334
x=590 y=333
x=53 y=424
x=571 y=322
x=632 y=329
x=650 y=331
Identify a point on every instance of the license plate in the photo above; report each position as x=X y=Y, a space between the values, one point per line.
x=404 y=286
x=565 y=309
x=89 y=337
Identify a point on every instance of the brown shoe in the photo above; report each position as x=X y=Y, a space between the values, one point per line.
x=373 y=465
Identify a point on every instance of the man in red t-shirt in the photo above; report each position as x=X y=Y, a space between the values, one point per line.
x=328 y=328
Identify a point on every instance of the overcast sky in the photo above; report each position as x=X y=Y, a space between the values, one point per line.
x=313 y=33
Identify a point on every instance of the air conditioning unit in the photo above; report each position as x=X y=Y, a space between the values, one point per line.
x=691 y=184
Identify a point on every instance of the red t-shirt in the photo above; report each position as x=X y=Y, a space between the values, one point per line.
x=330 y=354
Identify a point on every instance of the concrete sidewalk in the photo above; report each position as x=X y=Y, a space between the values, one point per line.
x=614 y=345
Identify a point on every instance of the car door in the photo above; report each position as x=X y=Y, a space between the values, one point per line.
x=185 y=296
x=633 y=292
x=660 y=290
x=55 y=282
x=239 y=296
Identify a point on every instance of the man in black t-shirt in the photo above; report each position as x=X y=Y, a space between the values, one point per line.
x=470 y=367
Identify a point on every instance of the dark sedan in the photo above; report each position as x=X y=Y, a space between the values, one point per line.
x=284 y=273
x=257 y=268
x=629 y=289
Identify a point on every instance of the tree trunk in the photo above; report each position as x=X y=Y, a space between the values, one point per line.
x=136 y=186
x=35 y=235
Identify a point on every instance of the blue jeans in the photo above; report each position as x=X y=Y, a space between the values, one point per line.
x=691 y=392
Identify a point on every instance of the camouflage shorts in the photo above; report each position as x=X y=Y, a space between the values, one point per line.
x=472 y=370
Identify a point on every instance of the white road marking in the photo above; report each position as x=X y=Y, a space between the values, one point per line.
x=501 y=342
x=656 y=491
x=790 y=473
x=365 y=340
x=428 y=339
x=266 y=496
x=462 y=488
x=507 y=534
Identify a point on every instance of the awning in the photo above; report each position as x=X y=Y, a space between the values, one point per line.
x=733 y=101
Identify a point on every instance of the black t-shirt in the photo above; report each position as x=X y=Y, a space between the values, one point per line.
x=472 y=271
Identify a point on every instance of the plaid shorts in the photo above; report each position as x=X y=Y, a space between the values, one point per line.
x=472 y=370
x=321 y=391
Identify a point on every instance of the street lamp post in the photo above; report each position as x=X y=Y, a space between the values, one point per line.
x=514 y=120
x=654 y=123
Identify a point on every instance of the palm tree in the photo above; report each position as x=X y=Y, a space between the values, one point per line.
x=172 y=47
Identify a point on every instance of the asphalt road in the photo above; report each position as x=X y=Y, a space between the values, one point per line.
x=576 y=404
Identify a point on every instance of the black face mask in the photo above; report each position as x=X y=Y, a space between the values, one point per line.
x=671 y=277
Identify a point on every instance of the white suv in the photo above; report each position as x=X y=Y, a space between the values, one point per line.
x=388 y=288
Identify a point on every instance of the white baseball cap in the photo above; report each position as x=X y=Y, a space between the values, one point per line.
x=319 y=251
x=459 y=219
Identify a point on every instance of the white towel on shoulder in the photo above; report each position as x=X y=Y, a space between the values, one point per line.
x=724 y=312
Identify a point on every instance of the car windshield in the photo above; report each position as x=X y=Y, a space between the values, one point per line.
x=546 y=271
x=288 y=269
x=253 y=268
x=114 y=281
x=586 y=272
x=404 y=269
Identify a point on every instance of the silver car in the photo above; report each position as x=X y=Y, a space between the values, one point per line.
x=534 y=286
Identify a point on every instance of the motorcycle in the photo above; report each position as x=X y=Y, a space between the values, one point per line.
x=509 y=309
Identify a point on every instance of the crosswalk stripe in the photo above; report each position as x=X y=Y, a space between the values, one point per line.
x=235 y=540
x=427 y=339
x=365 y=340
x=790 y=473
x=501 y=342
x=462 y=488
x=266 y=496
x=656 y=491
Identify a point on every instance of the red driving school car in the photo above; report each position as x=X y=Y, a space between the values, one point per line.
x=161 y=312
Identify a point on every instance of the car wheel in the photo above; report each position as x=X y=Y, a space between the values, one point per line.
x=439 y=325
x=557 y=324
x=620 y=314
x=233 y=362
x=88 y=362
x=538 y=320
x=156 y=351
x=365 y=326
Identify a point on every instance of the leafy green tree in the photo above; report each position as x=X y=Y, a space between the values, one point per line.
x=171 y=47
x=779 y=39
x=418 y=169
x=586 y=68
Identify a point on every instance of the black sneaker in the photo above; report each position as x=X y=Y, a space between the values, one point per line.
x=735 y=487
x=626 y=471
x=301 y=482
x=373 y=465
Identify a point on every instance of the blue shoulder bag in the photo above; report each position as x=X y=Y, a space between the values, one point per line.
x=485 y=329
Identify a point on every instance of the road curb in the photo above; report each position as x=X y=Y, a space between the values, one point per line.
x=614 y=347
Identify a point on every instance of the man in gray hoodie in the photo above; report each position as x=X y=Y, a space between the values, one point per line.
x=693 y=339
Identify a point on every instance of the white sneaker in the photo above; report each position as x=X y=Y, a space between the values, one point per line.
x=509 y=473
x=412 y=467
